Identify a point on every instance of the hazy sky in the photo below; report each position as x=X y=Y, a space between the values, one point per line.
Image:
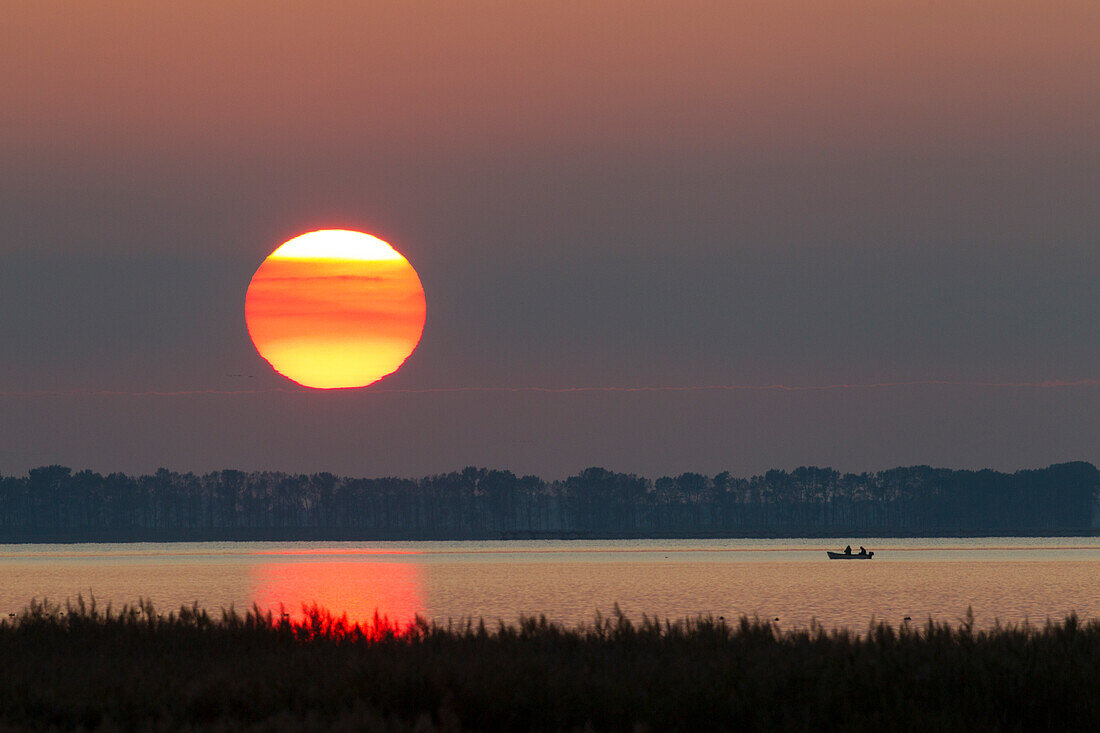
x=613 y=194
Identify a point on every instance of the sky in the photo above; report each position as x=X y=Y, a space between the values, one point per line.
x=623 y=194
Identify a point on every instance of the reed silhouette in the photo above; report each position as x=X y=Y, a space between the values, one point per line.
x=80 y=666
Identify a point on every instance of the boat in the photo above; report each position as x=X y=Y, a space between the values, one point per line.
x=850 y=555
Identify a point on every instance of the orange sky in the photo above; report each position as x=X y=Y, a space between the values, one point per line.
x=321 y=77
x=594 y=193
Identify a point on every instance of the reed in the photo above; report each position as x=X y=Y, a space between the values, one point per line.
x=82 y=666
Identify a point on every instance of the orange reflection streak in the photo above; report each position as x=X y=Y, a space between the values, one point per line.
x=335 y=320
x=338 y=551
x=357 y=589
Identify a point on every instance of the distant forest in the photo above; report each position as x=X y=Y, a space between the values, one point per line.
x=55 y=504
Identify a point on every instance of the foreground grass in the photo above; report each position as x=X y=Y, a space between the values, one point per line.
x=81 y=667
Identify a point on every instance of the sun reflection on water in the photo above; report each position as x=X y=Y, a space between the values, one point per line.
x=356 y=588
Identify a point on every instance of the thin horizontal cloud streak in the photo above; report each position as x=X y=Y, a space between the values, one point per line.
x=305 y=279
x=332 y=309
x=1046 y=384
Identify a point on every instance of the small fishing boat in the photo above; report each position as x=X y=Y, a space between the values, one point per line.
x=850 y=555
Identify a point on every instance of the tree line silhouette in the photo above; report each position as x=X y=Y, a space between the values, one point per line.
x=53 y=503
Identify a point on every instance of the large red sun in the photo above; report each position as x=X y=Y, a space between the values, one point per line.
x=335 y=308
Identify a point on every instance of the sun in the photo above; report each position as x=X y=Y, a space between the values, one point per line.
x=335 y=309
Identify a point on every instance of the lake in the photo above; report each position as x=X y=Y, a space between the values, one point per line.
x=1010 y=579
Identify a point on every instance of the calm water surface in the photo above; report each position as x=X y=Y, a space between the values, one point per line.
x=1010 y=579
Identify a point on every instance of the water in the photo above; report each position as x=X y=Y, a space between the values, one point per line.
x=1010 y=579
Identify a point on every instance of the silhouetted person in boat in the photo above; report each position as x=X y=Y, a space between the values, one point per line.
x=862 y=551
x=848 y=550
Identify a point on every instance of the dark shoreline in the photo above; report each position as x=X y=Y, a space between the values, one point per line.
x=54 y=504
x=327 y=535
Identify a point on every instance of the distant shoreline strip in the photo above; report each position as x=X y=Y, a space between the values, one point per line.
x=655 y=549
x=1045 y=384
